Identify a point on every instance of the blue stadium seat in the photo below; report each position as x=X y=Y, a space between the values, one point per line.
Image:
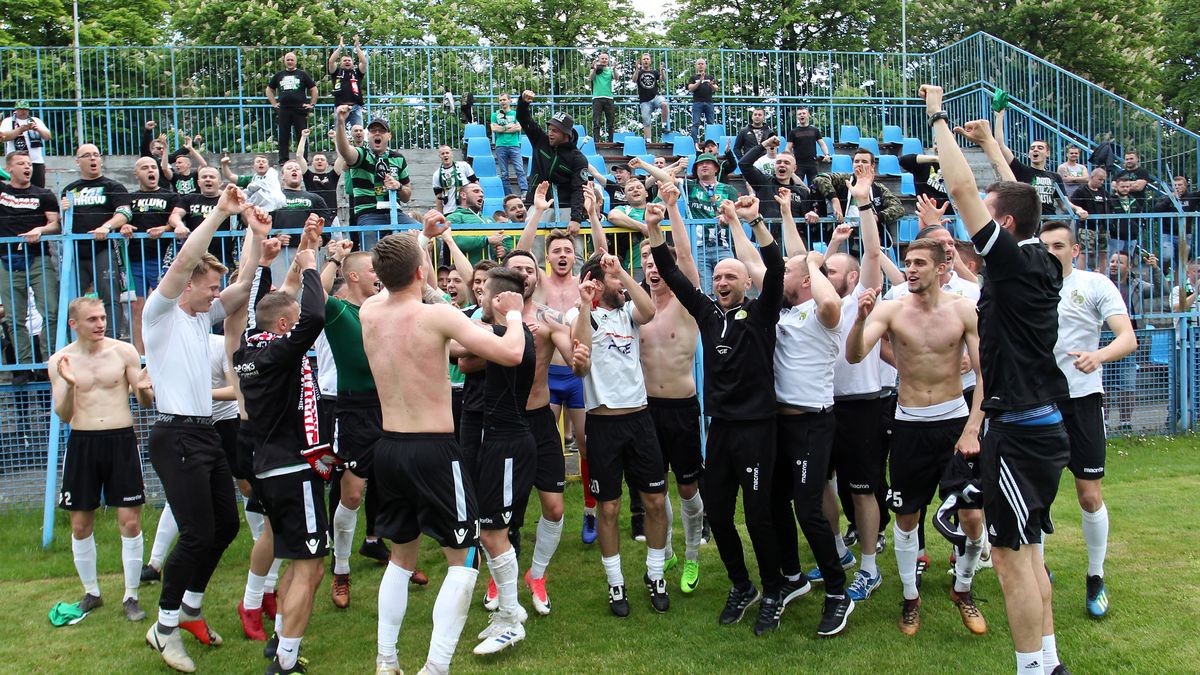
x=635 y=145
x=868 y=143
x=484 y=166
x=588 y=147
x=725 y=141
x=607 y=201
x=526 y=147
x=647 y=158
x=670 y=137
x=492 y=205
x=889 y=165
x=892 y=135
x=908 y=185
x=620 y=136
x=842 y=164
x=493 y=187
x=597 y=163
x=909 y=226
x=960 y=230
x=683 y=146
x=848 y=134
x=479 y=147
x=1160 y=347
x=474 y=131
x=714 y=132
x=819 y=246
x=581 y=132
x=912 y=146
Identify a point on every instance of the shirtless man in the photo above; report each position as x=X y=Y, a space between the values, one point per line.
x=936 y=437
x=91 y=379
x=423 y=487
x=668 y=349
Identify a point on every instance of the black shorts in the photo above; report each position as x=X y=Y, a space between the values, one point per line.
x=228 y=431
x=1084 y=419
x=470 y=436
x=624 y=447
x=1019 y=470
x=858 y=444
x=358 y=427
x=294 y=502
x=959 y=473
x=551 y=472
x=326 y=417
x=105 y=461
x=920 y=452
x=424 y=488
x=243 y=464
x=504 y=477
x=677 y=425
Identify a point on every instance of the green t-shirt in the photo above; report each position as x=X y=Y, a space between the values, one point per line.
x=602 y=84
x=703 y=205
x=366 y=178
x=343 y=330
x=475 y=247
x=506 y=139
x=627 y=245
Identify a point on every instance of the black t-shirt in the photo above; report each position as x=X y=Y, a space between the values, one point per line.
x=1139 y=173
x=616 y=194
x=291 y=88
x=506 y=388
x=196 y=208
x=96 y=200
x=473 y=397
x=1095 y=202
x=647 y=84
x=151 y=209
x=928 y=179
x=704 y=92
x=300 y=203
x=347 y=86
x=21 y=210
x=1018 y=322
x=184 y=185
x=1042 y=181
x=323 y=184
x=804 y=143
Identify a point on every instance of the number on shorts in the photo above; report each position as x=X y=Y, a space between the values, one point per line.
x=66 y=498
x=895 y=498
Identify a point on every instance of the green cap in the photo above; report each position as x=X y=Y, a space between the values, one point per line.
x=23 y=104
x=999 y=100
x=66 y=614
x=706 y=157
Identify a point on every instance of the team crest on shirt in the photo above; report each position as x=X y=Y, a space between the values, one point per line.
x=1077 y=297
x=741 y=314
x=804 y=315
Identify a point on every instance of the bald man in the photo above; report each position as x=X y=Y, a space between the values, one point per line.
x=293 y=93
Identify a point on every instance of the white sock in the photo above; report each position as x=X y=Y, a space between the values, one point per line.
x=505 y=570
x=272 y=576
x=288 y=651
x=693 y=525
x=670 y=550
x=393 y=603
x=168 y=618
x=279 y=621
x=1095 y=534
x=344 y=522
x=841 y=545
x=164 y=536
x=193 y=600
x=1029 y=663
x=906 y=559
x=1049 y=653
x=548 y=535
x=131 y=564
x=868 y=563
x=655 y=558
x=257 y=523
x=612 y=570
x=85 y=563
x=252 y=597
x=450 y=614
x=965 y=564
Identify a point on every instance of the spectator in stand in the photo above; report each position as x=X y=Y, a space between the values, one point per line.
x=469 y=212
x=1139 y=295
x=802 y=143
x=375 y=172
x=727 y=162
x=601 y=79
x=101 y=206
x=263 y=172
x=555 y=159
x=649 y=80
x=1047 y=183
x=702 y=85
x=180 y=178
x=752 y=135
x=27 y=211
x=507 y=134
x=194 y=208
x=319 y=178
x=927 y=177
x=1186 y=301
x=1190 y=201
x=887 y=206
x=1134 y=172
x=1073 y=173
x=155 y=146
x=615 y=187
x=703 y=196
x=782 y=177
x=22 y=132
x=300 y=205
x=1125 y=234
x=153 y=213
x=1093 y=234
x=449 y=178
x=293 y=93
x=348 y=79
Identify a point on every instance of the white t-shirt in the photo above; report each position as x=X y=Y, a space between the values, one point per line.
x=221 y=377
x=177 y=355
x=805 y=353
x=616 y=378
x=326 y=368
x=1086 y=300
x=957 y=286
x=34 y=144
x=855 y=379
x=766 y=165
x=451 y=179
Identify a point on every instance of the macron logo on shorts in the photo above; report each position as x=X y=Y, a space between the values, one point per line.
x=1093 y=469
x=312 y=545
x=460 y=534
x=507 y=515
x=132 y=499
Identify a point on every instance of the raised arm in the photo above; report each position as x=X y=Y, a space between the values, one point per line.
x=258 y=224
x=860 y=193
x=581 y=329
x=829 y=303
x=164 y=161
x=770 y=300
x=668 y=192
x=960 y=182
x=793 y=243
x=347 y=152
x=746 y=251
x=232 y=202
x=461 y=263
x=869 y=326
x=361 y=54
x=658 y=174
x=226 y=172
x=541 y=205
x=1005 y=152
x=537 y=137
x=301 y=146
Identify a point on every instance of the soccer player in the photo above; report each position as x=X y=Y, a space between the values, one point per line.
x=935 y=431
x=91 y=379
x=1087 y=300
x=739 y=394
x=423 y=487
x=1024 y=446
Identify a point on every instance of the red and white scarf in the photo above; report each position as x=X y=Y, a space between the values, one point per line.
x=308 y=389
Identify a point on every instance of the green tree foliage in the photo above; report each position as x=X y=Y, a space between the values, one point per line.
x=1181 y=47
x=790 y=25
x=49 y=22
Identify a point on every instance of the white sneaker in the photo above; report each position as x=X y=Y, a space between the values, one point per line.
x=985 y=557
x=170 y=647
x=504 y=632
x=388 y=669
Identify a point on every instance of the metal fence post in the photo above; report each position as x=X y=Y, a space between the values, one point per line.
x=66 y=284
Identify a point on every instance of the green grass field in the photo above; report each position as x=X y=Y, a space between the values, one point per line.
x=1152 y=572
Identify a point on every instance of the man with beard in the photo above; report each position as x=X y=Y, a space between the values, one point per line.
x=153 y=210
x=470 y=212
x=832 y=186
x=802 y=144
x=753 y=135
x=1049 y=184
x=194 y=208
x=555 y=159
x=374 y=172
x=784 y=177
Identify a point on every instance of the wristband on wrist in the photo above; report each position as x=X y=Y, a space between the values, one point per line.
x=513 y=316
x=939 y=115
x=422 y=240
x=756 y=222
x=869 y=206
